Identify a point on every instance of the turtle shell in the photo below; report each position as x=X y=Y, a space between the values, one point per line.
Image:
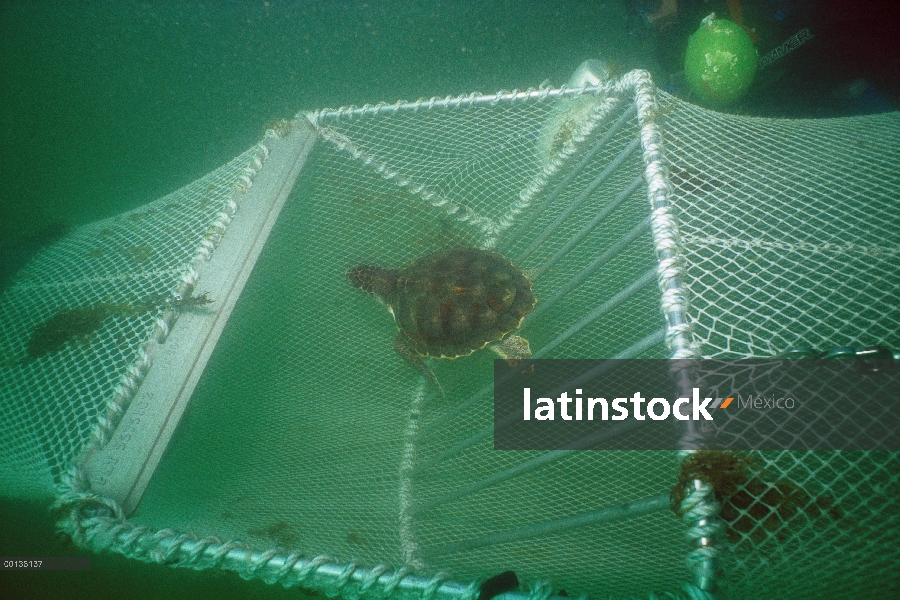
x=452 y=302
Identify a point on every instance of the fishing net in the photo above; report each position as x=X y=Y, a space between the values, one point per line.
x=311 y=453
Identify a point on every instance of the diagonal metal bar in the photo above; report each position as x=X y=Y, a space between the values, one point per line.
x=576 y=204
x=589 y=270
x=547 y=458
x=598 y=312
x=606 y=515
x=562 y=185
x=632 y=351
x=599 y=218
x=530 y=465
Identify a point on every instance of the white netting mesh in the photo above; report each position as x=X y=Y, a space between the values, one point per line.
x=308 y=431
x=55 y=394
x=822 y=524
x=790 y=227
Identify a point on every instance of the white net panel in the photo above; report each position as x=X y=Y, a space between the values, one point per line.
x=815 y=524
x=57 y=387
x=790 y=229
x=309 y=434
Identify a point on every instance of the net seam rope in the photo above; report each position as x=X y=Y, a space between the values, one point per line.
x=489 y=227
x=135 y=374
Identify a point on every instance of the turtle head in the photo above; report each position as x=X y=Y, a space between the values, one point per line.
x=374 y=280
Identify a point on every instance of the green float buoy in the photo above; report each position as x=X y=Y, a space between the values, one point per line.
x=720 y=62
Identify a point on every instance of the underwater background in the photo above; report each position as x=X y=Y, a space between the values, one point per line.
x=105 y=106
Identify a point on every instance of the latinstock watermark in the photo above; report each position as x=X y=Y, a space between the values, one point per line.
x=544 y=409
x=659 y=404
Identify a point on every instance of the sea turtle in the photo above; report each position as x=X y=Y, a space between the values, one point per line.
x=451 y=303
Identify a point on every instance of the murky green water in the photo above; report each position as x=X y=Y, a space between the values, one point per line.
x=108 y=106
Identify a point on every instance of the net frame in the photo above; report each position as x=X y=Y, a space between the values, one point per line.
x=101 y=523
x=110 y=524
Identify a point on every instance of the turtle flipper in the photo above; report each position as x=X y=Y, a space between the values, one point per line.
x=416 y=361
x=514 y=349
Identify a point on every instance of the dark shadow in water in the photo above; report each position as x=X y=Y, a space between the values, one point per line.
x=28 y=531
x=15 y=255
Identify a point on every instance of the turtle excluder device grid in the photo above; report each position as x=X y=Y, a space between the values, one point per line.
x=321 y=443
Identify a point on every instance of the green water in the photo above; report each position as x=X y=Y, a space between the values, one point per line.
x=107 y=106
x=27 y=531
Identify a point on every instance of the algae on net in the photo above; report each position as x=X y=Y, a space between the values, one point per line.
x=77 y=323
x=754 y=506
